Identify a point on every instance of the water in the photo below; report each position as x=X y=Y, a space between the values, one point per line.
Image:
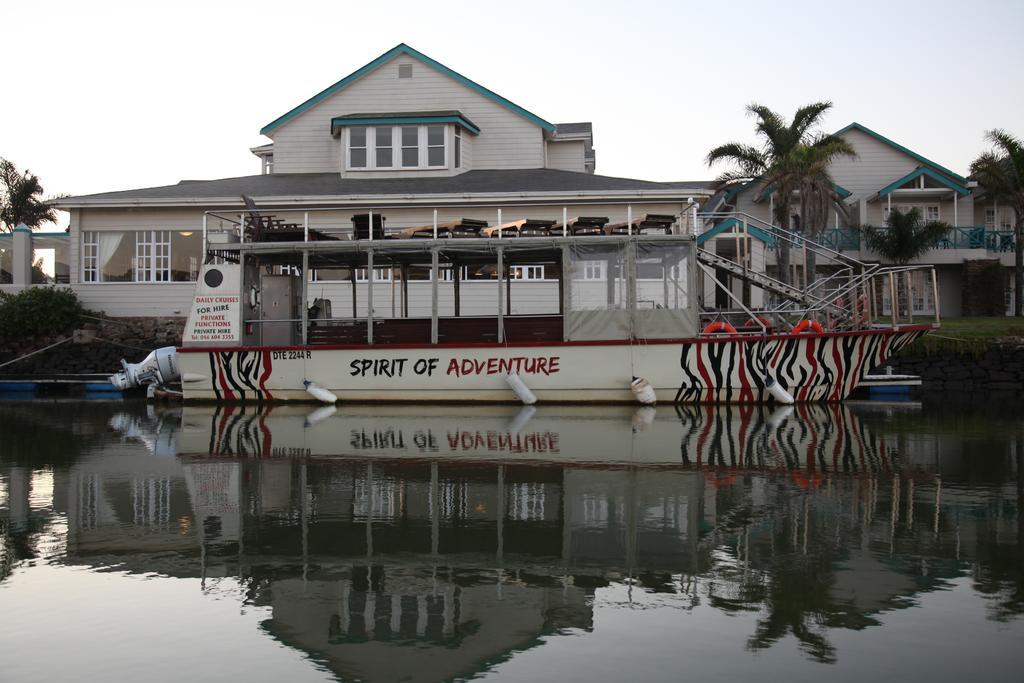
x=411 y=543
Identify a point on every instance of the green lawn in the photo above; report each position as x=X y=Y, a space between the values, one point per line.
x=967 y=335
x=982 y=328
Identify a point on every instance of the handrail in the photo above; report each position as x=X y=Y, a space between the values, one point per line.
x=787 y=236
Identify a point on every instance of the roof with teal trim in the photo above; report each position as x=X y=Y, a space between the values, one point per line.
x=917 y=173
x=728 y=223
x=404 y=117
x=61 y=233
x=401 y=49
x=770 y=190
x=881 y=138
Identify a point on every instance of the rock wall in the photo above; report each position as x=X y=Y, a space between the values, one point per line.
x=98 y=347
x=997 y=367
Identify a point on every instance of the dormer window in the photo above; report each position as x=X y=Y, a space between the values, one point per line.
x=397 y=147
x=397 y=142
x=357 y=147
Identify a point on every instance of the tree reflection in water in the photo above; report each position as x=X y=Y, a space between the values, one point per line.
x=481 y=530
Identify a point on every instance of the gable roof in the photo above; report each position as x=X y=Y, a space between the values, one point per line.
x=771 y=189
x=927 y=172
x=881 y=138
x=403 y=49
x=728 y=224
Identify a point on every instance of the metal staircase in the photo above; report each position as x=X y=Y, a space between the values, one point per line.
x=845 y=298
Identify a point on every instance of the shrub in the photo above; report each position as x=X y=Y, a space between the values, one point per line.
x=36 y=311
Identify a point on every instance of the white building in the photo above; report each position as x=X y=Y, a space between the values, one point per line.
x=403 y=137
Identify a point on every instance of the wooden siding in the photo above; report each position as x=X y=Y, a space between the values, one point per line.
x=137 y=298
x=566 y=156
x=875 y=166
x=506 y=140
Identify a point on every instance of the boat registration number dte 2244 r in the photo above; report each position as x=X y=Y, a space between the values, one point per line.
x=291 y=355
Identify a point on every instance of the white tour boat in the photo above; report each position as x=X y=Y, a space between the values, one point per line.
x=618 y=319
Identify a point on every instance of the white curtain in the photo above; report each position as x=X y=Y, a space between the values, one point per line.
x=108 y=243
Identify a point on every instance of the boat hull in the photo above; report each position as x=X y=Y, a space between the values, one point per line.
x=729 y=369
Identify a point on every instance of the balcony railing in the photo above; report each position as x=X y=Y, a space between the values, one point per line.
x=960 y=237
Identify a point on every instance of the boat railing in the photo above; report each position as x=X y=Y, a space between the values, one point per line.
x=441 y=221
x=851 y=294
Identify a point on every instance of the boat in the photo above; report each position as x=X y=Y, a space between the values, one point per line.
x=616 y=318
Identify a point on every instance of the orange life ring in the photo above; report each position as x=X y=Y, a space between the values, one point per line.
x=804 y=325
x=719 y=326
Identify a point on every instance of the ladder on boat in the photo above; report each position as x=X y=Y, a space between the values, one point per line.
x=840 y=296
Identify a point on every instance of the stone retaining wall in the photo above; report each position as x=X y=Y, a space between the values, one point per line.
x=98 y=347
x=999 y=367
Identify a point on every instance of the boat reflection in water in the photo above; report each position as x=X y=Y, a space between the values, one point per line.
x=473 y=534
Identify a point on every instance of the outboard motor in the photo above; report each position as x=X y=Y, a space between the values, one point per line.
x=159 y=367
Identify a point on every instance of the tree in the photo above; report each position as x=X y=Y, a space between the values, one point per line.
x=804 y=172
x=20 y=199
x=905 y=238
x=1001 y=172
x=783 y=146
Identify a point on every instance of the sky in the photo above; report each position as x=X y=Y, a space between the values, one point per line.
x=128 y=95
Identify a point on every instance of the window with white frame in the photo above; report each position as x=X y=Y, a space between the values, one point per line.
x=928 y=212
x=398 y=147
x=357 y=138
x=990 y=219
x=152 y=256
x=457 y=152
x=595 y=270
x=90 y=257
x=435 y=146
x=526 y=273
x=447 y=273
x=382 y=142
x=379 y=274
x=140 y=255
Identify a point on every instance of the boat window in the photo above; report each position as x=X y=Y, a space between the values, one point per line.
x=663 y=288
x=598 y=307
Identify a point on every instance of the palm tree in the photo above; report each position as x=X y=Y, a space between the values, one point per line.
x=20 y=199
x=804 y=172
x=783 y=144
x=1001 y=172
x=905 y=238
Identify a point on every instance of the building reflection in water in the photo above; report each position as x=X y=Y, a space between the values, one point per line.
x=471 y=534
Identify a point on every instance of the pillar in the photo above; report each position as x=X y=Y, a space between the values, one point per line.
x=21 y=263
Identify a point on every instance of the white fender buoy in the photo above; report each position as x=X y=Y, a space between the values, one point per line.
x=521 y=418
x=776 y=391
x=643 y=391
x=321 y=413
x=779 y=416
x=319 y=393
x=192 y=377
x=643 y=418
x=519 y=388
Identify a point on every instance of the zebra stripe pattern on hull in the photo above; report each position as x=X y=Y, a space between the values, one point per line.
x=238 y=373
x=810 y=367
